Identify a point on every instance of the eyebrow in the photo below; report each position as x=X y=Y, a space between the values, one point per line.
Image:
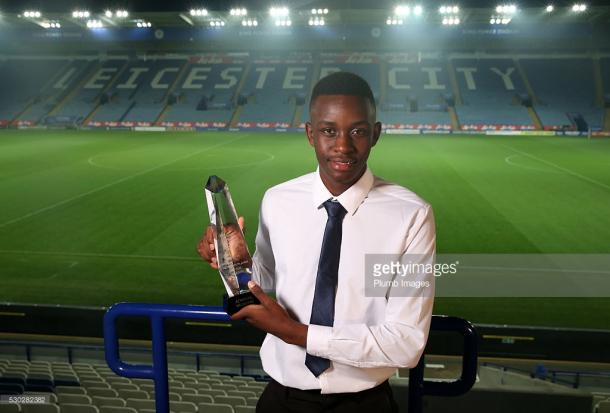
x=329 y=122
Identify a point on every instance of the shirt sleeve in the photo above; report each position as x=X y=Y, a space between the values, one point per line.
x=400 y=340
x=263 y=261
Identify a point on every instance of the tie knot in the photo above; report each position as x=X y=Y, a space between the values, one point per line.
x=334 y=209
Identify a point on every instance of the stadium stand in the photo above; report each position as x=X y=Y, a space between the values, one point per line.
x=205 y=93
x=429 y=91
x=95 y=388
x=415 y=92
x=490 y=89
x=272 y=92
x=564 y=92
x=28 y=83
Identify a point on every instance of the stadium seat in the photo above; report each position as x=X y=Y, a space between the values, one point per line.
x=40 y=408
x=603 y=407
x=213 y=392
x=78 y=408
x=74 y=399
x=133 y=394
x=244 y=409
x=70 y=390
x=182 y=407
x=216 y=408
x=115 y=409
x=108 y=401
x=231 y=400
x=9 y=408
x=197 y=398
x=102 y=391
x=141 y=403
x=241 y=393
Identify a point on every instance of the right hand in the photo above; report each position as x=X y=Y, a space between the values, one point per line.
x=206 y=244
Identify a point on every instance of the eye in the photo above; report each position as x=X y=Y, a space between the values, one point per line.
x=327 y=131
x=360 y=132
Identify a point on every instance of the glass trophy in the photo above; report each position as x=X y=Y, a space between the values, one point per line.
x=234 y=261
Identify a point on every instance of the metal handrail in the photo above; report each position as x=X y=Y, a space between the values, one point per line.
x=418 y=387
x=157 y=313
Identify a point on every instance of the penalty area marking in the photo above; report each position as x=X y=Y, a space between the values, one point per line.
x=111 y=184
x=510 y=162
x=561 y=168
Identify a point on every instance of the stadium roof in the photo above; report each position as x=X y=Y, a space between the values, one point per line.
x=176 y=13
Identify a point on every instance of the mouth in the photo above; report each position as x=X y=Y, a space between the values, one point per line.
x=342 y=164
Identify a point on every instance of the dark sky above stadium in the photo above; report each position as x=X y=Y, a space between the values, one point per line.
x=17 y=6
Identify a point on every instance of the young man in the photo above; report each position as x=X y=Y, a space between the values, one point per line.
x=330 y=346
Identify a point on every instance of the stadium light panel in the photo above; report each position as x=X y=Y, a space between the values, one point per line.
x=108 y=13
x=94 y=24
x=249 y=22
x=199 y=12
x=143 y=24
x=579 y=7
x=402 y=11
x=217 y=23
x=550 y=8
x=418 y=10
x=238 y=12
x=32 y=14
x=279 y=12
x=317 y=21
x=81 y=14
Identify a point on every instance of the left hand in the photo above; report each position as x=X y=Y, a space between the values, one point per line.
x=272 y=318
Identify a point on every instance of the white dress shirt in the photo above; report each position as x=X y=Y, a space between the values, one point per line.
x=371 y=336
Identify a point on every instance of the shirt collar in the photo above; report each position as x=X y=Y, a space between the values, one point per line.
x=350 y=199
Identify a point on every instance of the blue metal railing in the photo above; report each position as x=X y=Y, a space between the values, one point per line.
x=157 y=314
x=158 y=371
x=418 y=387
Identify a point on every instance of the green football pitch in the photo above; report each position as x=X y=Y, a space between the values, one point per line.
x=96 y=217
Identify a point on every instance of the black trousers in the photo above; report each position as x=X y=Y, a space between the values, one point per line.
x=277 y=398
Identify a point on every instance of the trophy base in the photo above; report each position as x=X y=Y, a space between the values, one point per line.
x=237 y=302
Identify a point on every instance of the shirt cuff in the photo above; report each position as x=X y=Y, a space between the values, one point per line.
x=318 y=340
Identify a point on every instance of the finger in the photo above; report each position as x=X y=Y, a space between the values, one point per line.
x=259 y=293
x=242 y=224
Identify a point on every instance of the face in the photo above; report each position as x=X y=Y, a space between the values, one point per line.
x=342 y=131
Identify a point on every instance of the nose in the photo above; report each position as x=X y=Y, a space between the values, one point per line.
x=344 y=142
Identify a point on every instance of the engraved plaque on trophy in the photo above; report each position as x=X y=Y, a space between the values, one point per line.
x=234 y=260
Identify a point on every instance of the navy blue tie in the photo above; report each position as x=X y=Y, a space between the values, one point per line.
x=323 y=308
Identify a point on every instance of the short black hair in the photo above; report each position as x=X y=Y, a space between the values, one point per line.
x=342 y=83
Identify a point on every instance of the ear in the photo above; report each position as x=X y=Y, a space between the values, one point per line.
x=376 y=133
x=309 y=132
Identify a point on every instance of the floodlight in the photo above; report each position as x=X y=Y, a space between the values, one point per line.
x=238 y=12
x=199 y=12
x=549 y=8
x=279 y=12
x=94 y=24
x=32 y=14
x=418 y=10
x=578 y=8
x=108 y=14
x=402 y=10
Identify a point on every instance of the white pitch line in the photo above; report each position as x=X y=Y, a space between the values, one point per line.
x=532 y=168
x=101 y=255
x=561 y=168
x=111 y=184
